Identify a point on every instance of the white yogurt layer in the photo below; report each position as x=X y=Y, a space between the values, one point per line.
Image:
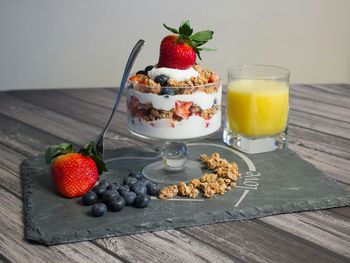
x=171 y=73
x=167 y=102
x=191 y=128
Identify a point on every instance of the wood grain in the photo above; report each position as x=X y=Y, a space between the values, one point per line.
x=319 y=131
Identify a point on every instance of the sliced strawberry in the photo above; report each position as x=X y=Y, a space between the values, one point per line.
x=133 y=102
x=213 y=78
x=139 y=79
x=183 y=109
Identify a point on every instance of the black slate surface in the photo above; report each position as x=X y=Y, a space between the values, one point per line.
x=271 y=183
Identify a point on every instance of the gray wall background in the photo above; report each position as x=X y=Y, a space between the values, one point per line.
x=85 y=43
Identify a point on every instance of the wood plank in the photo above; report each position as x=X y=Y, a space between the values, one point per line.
x=327 y=231
x=330 y=165
x=165 y=246
x=323 y=93
x=15 y=249
x=250 y=240
x=68 y=129
x=319 y=108
x=325 y=143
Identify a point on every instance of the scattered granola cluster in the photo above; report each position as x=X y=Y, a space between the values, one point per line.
x=168 y=192
x=223 y=178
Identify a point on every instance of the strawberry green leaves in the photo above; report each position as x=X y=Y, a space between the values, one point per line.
x=91 y=151
x=185 y=29
x=56 y=150
x=195 y=40
x=88 y=150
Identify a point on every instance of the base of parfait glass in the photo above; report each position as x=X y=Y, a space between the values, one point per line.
x=254 y=145
x=157 y=172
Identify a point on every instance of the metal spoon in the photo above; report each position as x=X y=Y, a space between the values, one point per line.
x=135 y=51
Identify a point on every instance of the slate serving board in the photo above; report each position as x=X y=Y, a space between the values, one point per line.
x=271 y=183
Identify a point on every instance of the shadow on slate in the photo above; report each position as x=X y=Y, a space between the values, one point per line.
x=271 y=183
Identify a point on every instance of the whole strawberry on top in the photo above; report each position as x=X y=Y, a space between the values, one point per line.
x=74 y=173
x=179 y=51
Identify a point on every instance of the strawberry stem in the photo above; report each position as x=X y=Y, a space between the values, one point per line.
x=56 y=150
x=88 y=150
x=194 y=40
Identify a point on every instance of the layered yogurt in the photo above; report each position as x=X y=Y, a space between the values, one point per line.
x=187 y=107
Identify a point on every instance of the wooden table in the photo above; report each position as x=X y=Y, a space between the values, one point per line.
x=319 y=133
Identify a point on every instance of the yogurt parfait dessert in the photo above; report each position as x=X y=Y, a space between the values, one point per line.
x=176 y=99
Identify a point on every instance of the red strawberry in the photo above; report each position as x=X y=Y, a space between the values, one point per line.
x=175 y=53
x=182 y=108
x=179 y=51
x=74 y=174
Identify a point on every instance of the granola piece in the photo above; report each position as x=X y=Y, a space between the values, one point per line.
x=208 y=178
x=208 y=191
x=209 y=161
x=183 y=189
x=195 y=182
x=194 y=193
x=188 y=191
x=168 y=192
x=203 y=186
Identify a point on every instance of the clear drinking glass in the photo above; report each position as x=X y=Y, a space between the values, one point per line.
x=173 y=116
x=257 y=108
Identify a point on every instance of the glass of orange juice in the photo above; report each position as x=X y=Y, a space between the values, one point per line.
x=257 y=108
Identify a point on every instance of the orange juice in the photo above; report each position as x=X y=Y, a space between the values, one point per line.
x=257 y=108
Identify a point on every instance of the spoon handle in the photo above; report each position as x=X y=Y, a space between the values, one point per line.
x=135 y=51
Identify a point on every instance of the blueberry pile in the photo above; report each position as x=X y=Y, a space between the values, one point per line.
x=135 y=191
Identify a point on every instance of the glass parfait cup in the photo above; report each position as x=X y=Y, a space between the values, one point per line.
x=173 y=116
x=257 y=108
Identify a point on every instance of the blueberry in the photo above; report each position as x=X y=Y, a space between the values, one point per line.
x=144 y=181
x=98 y=209
x=215 y=101
x=153 y=189
x=167 y=91
x=89 y=198
x=129 y=197
x=148 y=68
x=104 y=182
x=114 y=186
x=141 y=72
x=99 y=190
x=161 y=79
x=129 y=180
x=116 y=204
x=142 y=201
x=139 y=188
x=124 y=188
x=109 y=195
x=138 y=175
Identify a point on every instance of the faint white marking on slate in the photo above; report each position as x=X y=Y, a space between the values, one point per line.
x=242 y=197
x=181 y=199
x=132 y=157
